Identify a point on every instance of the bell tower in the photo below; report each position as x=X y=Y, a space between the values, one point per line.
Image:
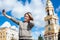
x=51 y=28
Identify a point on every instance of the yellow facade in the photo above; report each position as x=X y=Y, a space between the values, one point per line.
x=51 y=17
x=8 y=33
x=3 y=33
x=51 y=28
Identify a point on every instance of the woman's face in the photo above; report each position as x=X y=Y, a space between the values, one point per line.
x=26 y=17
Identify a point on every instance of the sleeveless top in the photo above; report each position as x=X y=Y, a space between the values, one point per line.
x=25 y=30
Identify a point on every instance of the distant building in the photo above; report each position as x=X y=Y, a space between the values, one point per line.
x=8 y=33
x=51 y=28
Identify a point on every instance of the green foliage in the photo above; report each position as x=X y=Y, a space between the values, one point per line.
x=40 y=37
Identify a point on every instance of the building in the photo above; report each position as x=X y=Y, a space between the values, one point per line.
x=51 y=28
x=8 y=33
x=59 y=35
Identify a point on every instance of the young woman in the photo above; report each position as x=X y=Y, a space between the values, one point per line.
x=24 y=27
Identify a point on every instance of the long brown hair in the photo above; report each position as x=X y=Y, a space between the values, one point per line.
x=30 y=15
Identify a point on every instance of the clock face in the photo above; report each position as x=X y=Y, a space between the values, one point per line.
x=49 y=28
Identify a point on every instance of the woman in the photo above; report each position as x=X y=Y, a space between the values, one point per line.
x=24 y=27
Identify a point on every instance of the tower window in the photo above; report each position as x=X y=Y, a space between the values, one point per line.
x=48 y=21
x=48 y=12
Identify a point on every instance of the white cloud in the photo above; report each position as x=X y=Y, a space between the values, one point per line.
x=7 y=4
x=18 y=10
x=43 y=32
x=58 y=9
x=35 y=34
x=38 y=12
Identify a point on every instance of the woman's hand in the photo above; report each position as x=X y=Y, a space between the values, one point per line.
x=3 y=12
x=11 y=18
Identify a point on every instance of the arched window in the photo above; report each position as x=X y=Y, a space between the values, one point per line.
x=48 y=12
x=48 y=21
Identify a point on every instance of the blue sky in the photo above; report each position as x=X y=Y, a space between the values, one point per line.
x=37 y=29
x=56 y=4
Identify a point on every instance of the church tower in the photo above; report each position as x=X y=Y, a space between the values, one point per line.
x=51 y=28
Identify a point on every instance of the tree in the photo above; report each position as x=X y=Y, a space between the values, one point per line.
x=40 y=37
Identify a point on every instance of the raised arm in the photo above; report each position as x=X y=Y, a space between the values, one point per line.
x=11 y=18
